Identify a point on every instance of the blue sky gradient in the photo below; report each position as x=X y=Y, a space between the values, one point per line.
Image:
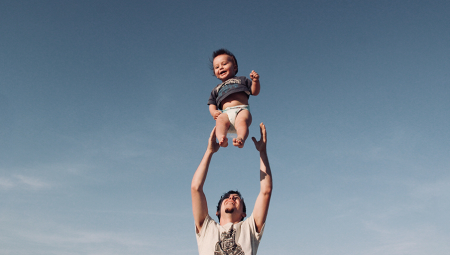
x=103 y=121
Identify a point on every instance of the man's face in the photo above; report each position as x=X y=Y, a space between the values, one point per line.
x=232 y=204
x=224 y=67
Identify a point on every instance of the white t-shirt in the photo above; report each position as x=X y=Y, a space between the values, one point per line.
x=232 y=239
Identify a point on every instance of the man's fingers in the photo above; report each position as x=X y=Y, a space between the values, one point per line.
x=262 y=129
x=213 y=133
x=264 y=132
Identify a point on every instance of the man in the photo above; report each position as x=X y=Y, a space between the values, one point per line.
x=232 y=235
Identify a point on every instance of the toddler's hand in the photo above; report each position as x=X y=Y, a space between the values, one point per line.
x=216 y=114
x=254 y=76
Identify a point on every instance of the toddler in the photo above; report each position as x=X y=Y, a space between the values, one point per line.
x=228 y=103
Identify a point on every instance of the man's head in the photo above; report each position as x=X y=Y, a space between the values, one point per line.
x=231 y=202
x=224 y=64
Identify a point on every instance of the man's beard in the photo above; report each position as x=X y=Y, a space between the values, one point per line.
x=229 y=210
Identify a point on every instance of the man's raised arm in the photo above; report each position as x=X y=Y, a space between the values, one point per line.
x=199 y=205
x=262 y=201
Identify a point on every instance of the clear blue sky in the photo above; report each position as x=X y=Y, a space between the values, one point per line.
x=103 y=121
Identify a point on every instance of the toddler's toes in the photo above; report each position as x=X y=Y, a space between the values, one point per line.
x=223 y=142
x=238 y=142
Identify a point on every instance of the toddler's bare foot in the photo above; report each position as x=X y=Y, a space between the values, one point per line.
x=223 y=142
x=238 y=142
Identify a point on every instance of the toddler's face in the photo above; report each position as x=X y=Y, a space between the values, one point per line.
x=224 y=67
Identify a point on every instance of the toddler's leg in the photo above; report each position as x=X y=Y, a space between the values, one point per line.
x=222 y=125
x=243 y=121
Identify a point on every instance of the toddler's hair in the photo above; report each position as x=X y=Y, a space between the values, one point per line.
x=221 y=52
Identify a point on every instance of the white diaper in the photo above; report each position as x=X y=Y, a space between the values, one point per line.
x=232 y=112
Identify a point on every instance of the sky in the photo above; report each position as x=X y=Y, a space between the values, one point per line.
x=104 y=120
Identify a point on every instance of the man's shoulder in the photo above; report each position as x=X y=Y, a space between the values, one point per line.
x=249 y=221
x=209 y=226
x=209 y=222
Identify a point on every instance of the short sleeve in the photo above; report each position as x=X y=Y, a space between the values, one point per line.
x=212 y=98
x=248 y=84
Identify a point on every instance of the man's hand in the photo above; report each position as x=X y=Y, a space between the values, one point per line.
x=213 y=145
x=261 y=144
x=216 y=114
x=265 y=179
x=254 y=76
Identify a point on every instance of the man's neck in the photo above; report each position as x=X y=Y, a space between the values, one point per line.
x=229 y=219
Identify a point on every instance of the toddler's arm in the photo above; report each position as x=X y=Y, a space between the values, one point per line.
x=255 y=83
x=214 y=111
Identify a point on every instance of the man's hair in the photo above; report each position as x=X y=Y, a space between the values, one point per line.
x=227 y=195
x=222 y=52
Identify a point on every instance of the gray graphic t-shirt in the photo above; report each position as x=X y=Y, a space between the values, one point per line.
x=228 y=87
